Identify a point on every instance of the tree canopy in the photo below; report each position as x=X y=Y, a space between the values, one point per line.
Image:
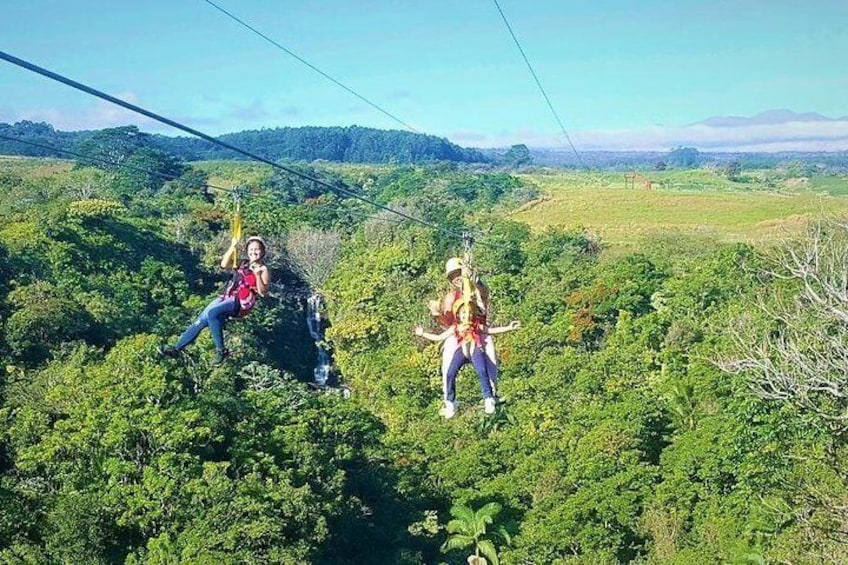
x=679 y=402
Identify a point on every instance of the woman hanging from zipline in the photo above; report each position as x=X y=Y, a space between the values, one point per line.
x=464 y=280
x=249 y=280
x=467 y=338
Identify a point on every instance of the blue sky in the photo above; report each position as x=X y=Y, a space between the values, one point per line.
x=621 y=75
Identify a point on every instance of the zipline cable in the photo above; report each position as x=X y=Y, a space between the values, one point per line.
x=103 y=161
x=350 y=213
x=152 y=115
x=539 y=84
x=310 y=65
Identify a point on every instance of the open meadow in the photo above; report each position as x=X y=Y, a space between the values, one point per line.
x=695 y=203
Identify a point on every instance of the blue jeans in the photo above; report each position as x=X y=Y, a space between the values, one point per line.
x=214 y=315
x=481 y=364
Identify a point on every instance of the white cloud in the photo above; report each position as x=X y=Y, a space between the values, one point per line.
x=99 y=114
x=791 y=136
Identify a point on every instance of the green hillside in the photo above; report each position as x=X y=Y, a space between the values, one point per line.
x=352 y=144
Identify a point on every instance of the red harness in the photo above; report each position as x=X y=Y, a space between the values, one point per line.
x=470 y=330
x=243 y=288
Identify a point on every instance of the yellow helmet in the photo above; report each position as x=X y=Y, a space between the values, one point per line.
x=453 y=265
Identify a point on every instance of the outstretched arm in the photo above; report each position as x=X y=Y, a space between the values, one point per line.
x=419 y=331
x=228 y=260
x=513 y=325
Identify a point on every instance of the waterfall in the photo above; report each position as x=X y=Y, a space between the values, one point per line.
x=313 y=321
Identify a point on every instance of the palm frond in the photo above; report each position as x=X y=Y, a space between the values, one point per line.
x=462 y=512
x=491 y=510
x=487 y=548
x=503 y=534
x=457 y=542
x=459 y=527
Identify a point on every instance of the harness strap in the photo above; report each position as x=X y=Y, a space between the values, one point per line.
x=242 y=290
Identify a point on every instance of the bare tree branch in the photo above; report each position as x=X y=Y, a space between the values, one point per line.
x=314 y=254
x=796 y=350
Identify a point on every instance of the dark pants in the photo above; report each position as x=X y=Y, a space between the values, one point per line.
x=481 y=365
x=214 y=316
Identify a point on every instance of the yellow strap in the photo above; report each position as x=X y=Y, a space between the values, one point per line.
x=236 y=227
x=469 y=289
x=467 y=296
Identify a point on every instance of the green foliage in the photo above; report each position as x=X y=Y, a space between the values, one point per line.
x=140 y=466
x=113 y=145
x=683 y=157
x=98 y=277
x=44 y=317
x=474 y=528
x=618 y=438
x=145 y=171
x=350 y=144
x=138 y=168
x=518 y=155
x=732 y=170
x=93 y=209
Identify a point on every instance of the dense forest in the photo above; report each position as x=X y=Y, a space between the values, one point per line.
x=352 y=144
x=683 y=404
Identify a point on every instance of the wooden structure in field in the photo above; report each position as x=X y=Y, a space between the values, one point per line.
x=630 y=180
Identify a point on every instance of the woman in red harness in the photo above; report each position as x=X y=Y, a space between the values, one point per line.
x=456 y=271
x=250 y=279
x=470 y=332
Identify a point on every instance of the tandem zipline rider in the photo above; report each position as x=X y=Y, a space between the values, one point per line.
x=250 y=280
x=467 y=337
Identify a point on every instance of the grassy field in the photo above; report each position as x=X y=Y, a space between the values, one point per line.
x=687 y=203
x=28 y=167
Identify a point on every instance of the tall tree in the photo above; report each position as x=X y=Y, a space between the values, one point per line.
x=518 y=155
x=684 y=157
x=114 y=145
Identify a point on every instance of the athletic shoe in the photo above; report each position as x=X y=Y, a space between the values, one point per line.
x=449 y=410
x=168 y=351
x=220 y=357
x=489 y=405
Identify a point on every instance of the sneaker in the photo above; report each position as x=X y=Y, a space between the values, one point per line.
x=220 y=356
x=489 y=405
x=449 y=410
x=168 y=351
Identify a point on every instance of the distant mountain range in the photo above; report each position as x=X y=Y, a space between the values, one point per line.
x=772 y=131
x=769 y=117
